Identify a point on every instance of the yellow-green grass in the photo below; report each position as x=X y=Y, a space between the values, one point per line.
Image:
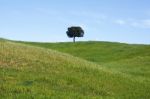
x=28 y=72
x=132 y=59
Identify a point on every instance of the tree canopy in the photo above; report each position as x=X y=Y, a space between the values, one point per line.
x=75 y=31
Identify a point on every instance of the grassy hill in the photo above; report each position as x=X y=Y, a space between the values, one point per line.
x=74 y=71
x=131 y=59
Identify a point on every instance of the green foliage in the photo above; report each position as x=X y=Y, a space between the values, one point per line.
x=29 y=72
x=75 y=32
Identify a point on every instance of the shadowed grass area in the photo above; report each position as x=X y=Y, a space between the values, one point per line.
x=34 y=72
x=99 y=52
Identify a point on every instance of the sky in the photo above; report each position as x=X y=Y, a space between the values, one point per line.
x=126 y=21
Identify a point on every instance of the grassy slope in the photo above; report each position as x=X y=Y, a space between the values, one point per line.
x=32 y=72
x=130 y=59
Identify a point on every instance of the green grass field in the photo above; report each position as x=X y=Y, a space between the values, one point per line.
x=130 y=59
x=85 y=70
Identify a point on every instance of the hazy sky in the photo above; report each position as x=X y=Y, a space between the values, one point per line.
x=104 y=20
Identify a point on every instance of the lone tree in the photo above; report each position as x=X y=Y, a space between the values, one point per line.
x=75 y=31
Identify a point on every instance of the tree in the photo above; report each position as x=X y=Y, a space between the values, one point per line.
x=75 y=31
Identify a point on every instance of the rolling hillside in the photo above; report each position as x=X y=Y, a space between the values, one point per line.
x=131 y=59
x=74 y=71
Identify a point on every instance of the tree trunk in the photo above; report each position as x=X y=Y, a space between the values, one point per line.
x=74 y=40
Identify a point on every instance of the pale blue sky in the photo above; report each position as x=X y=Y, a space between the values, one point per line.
x=103 y=20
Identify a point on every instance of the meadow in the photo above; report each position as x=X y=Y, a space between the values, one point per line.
x=84 y=70
x=131 y=59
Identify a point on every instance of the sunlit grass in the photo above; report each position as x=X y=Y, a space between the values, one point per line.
x=131 y=59
x=28 y=72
